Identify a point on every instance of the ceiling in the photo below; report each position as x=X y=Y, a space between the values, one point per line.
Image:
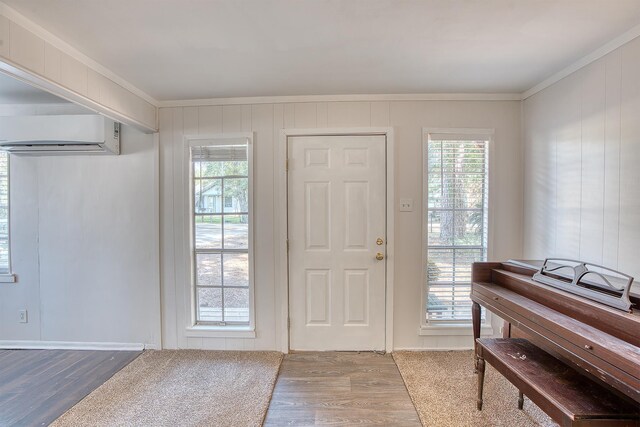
x=189 y=49
x=14 y=91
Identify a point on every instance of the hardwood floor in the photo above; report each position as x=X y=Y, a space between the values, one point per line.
x=37 y=386
x=340 y=389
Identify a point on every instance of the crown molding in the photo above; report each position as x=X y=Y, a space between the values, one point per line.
x=343 y=98
x=602 y=51
x=584 y=61
x=65 y=47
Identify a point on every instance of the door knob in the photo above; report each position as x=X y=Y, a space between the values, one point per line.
x=379 y=256
x=379 y=241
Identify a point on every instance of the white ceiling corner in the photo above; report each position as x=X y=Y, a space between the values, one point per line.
x=70 y=50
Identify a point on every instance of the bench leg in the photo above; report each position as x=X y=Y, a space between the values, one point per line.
x=520 y=400
x=480 y=366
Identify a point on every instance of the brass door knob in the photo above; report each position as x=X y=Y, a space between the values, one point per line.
x=379 y=241
x=379 y=256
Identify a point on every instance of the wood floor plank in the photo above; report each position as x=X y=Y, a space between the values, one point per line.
x=361 y=417
x=39 y=409
x=22 y=360
x=314 y=384
x=292 y=417
x=376 y=383
x=37 y=386
x=350 y=400
x=341 y=389
x=33 y=374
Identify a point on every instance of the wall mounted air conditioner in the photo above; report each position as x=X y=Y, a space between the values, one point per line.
x=60 y=134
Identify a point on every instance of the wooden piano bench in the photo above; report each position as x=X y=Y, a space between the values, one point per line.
x=568 y=397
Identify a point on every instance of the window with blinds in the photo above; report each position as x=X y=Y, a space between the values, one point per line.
x=5 y=267
x=221 y=206
x=455 y=222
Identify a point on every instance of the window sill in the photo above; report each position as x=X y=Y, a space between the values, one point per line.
x=7 y=278
x=453 y=329
x=201 y=331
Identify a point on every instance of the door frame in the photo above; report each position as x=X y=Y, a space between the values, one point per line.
x=281 y=221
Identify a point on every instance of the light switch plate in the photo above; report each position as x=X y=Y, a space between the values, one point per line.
x=406 y=205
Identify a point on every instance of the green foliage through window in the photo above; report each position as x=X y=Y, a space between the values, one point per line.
x=456 y=222
x=221 y=233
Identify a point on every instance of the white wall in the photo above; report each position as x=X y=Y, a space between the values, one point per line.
x=84 y=246
x=266 y=120
x=582 y=157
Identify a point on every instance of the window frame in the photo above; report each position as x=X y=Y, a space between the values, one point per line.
x=452 y=327
x=195 y=328
x=7 y=276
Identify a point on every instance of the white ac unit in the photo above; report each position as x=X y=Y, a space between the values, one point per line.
x=60 y=134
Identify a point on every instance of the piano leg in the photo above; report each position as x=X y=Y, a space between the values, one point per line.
x=481 y=365
x=520 y=400
x=475 y=316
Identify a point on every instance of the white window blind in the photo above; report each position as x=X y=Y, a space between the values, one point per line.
x=221 y=233
x=5 y=267
x=455 y=222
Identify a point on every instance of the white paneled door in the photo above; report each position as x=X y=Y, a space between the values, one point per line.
x=337 y=240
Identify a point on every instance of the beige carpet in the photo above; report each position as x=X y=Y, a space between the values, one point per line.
x=443 y=388
x=182 y=388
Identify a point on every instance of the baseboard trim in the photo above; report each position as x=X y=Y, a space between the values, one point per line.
x=65 y=345
x=152 y=347
x=464 y=348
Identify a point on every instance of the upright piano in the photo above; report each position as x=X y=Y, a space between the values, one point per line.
x=587 y=318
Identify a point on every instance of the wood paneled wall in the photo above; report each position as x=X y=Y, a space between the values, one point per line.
x=582 y=164
x=266 y=120
x=84 y=245
x=26 y=51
